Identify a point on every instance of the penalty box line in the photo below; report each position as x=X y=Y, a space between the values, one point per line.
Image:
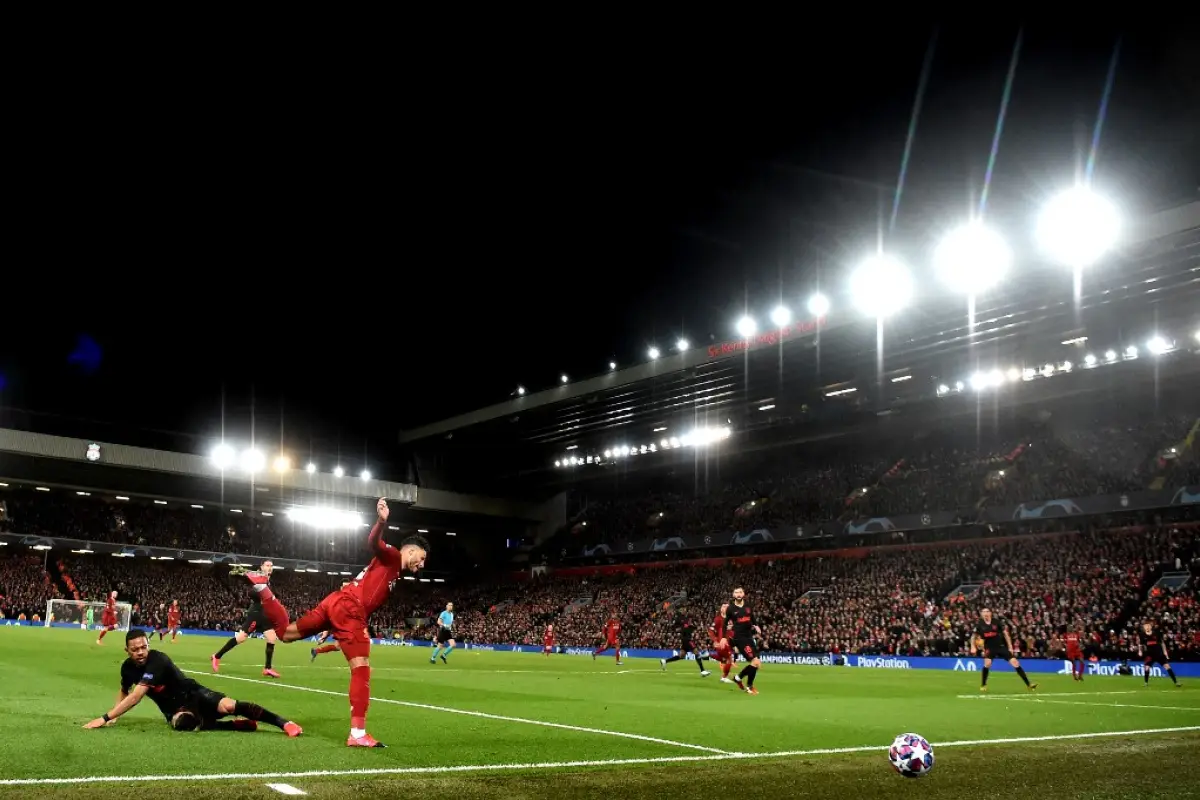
x=499 y=717
x=547 y=765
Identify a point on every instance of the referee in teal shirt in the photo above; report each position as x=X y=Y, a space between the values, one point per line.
x=445 y=635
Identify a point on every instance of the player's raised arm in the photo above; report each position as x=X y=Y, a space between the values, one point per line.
x=129 y=701
x=382 y=550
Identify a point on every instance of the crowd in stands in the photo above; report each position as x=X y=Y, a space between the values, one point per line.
x=24 y=585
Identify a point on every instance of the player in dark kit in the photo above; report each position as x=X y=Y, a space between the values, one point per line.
x=992 y=636
x=186 y=704
x=256 y=621
x=1154 y=651
x=687 y=644
x=739 y=621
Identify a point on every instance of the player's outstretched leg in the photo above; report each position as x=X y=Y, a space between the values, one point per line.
x=256 y=713
x=446 y=651
x=269 y=656
x=1016 y=665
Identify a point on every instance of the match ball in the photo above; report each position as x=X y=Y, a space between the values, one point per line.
x=911 y=755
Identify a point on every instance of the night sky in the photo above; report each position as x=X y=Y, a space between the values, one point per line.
x=361 y=256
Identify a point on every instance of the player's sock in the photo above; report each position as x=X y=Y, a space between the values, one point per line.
x=750 y=673
x=1024 y=677
x=103 y=631
x=725 y=667
x=270 y=655
x=446 y=654
x=673 y=659
x=327 y=648
x=985 y=674
x=258 y=714
x=700 y=662
x=225 y=648
x=1171 y=673
x=360 y=699
x=1145 y=673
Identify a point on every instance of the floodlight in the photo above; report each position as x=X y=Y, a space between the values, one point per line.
x=653 y=353
x=681 y=345
x=311 y=468
x=746 y=327
x=223 y=456
x=781 y=316
x=1077 y=227
x=1014 y=374
x=1029 y=373
x=972 y=259
x=338 y=472
x=881 y=286
x=1158 y=345
x=282 y=463
x=1110 y=355
x=818 y=305
x=942 y=389
x=365 y=475
x=253 y=461
x=1089 y=360
x=1131 y=351
x=612 y=365
x=325 y=517
x=520 y=390
x=563 y=378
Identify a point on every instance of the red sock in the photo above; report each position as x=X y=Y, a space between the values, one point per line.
x=360 y=696
x=173 y=635
x=617 y=654
x=725 y=665
x=327 y=648
x=102 y=632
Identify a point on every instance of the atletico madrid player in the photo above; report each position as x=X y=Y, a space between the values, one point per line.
x=346 y=611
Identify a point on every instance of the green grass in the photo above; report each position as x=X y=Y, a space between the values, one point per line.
x=51 y=682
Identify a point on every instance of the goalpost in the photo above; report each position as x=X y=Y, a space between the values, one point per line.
x=75 y=614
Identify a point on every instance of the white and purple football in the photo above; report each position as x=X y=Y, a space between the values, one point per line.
x=911 y=755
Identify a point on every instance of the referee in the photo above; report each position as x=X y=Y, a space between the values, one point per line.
x=445 y=635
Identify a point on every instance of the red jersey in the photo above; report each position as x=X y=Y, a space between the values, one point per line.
x=110 y=606
x=173 y=616
x=717 y=629
x=612 y=630
x=373 y=584
x=548 y=639
x=1072 y=640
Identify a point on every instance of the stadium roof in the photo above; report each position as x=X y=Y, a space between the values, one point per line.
x=1151 y=286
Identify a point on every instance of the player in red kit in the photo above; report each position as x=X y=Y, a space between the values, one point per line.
x=548 y=640
x=1073 y=641
x=722 y=652
x=108 y=617
x=345 y=613
x=612 y=638
x=173 y=619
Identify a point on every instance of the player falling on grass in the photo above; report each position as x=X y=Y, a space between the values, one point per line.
x=186 y=704
x=108 y=617
x=687 y=643
x=346 y=611
x=444 y=641
x=256 y=621
x=173 y=615
x=548 y=641
x=739 y=620
x=1073 y=644
x=993 y=638
x=1154 y=651
x=611 y=636
x=722 y=653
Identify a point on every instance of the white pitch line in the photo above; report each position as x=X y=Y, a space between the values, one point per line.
x=480 y=714
x=616 y=762
x=1091 y=703
x=286 y=788
x=982 y=696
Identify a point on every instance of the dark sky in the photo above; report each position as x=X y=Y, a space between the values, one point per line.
x=369 y=250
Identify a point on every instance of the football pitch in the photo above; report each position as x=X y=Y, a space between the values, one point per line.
x=518 y=725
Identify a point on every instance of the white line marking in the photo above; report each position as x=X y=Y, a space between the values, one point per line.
x=616 y=762
x=479 y=714
x=982 y=696
x=1091 y=703
x=285 y=788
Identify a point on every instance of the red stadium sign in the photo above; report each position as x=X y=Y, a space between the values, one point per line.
x=768 y=338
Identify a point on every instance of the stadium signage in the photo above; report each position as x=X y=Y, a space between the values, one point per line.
x=796 y=658
x=1050 y=509
x=766 y=338
x=880 y=662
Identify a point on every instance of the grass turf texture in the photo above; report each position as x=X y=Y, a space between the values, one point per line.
x=52 y=681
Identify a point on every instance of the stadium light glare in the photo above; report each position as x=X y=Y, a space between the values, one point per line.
x=818 y=305
x=1029 y=373
x=365 y=475
x=223 y=456
x=746 y=326
x=972 y=259
x=1067 y=366
x=943 y=389
x=1089 y=360
x=781 y=316
x=1110 y=355
x=311 y=468
x=653 y=352
x=1076 y=228
x=1014 y=374
x=253 y=461
x=1048 y=370
x=520 y=390
x=282 y=463
x=881 y=286
x=612 y=365
x=681 y=344
x=1196 y=335
x=338 y=472
x=563 y=378
x=329 y=518
x=1131 y=351
x=1159 y=345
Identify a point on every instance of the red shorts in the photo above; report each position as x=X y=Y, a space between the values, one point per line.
x=613 y=644
x=722 y=653
x=108 y=621
x=1074 y=654
x=345 y=618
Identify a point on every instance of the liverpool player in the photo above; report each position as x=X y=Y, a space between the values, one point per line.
x=173 y=619
x=1073 y=643
x=612 y=638
x=739 y=619
x=996 y=643
x=548 y=640
x=345 y=612
x=108 y=618
x=1154 y=651
x=687 y=644
x=722 y=652
x=186 y=704
x=255 y=621
x=323 y=646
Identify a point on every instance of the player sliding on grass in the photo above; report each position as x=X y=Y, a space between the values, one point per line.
x=345 y=612
x=186 y=704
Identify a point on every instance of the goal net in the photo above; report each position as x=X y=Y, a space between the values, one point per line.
x=83 y=614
